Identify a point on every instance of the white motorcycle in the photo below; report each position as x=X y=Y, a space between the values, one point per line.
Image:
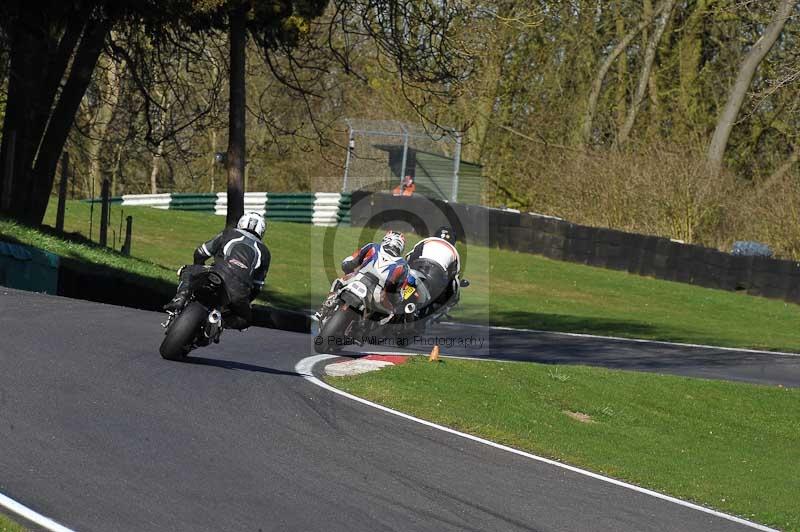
x=355 y=310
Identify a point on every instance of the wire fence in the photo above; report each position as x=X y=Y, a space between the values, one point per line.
x=390 y=156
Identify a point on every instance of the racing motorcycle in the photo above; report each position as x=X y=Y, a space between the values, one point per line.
x=429 y=313
x=199 y=323
x=354 y=310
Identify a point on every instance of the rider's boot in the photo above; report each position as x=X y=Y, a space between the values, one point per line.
x=232 y=321
x=182 y=293
x=178 y=302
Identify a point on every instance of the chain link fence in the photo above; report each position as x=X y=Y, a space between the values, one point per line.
x=390 y=156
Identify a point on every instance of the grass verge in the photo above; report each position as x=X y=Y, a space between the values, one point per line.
x=725 y=445
x=7 y=525
x=508 y=288
x=78 y=248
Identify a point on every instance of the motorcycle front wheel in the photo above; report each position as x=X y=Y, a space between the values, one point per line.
x=182 y=332
x=331 y=335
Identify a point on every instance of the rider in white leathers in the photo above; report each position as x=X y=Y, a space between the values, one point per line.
x=387 y=262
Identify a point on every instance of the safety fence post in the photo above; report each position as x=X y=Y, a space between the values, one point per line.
x=126 y=247
x=104 y=214
x=62 y=192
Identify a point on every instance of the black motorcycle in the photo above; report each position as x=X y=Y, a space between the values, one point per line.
x=199 y=323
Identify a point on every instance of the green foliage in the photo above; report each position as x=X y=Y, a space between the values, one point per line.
x=514 y=76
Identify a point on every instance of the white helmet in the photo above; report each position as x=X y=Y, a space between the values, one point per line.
x=393 y=243
x=253 y=222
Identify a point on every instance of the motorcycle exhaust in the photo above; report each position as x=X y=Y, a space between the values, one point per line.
x=213 y=325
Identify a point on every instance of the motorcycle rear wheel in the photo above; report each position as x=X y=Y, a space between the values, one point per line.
x=331 y=335
x=182 y=332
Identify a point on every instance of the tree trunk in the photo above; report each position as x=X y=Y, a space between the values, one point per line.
x=492 y=68
x=105 y=114
x=24 y=80
x=236 y=117
x=115 y=171
x=154 y=168
x=719 y=142
x=60 y=122
x=484 y=105
x=56 y=69
x=652 y=86
x=622 y=66
x=690 y=57
x=39 y=59
x=162 y=124
x=644 y=78
x=212 y=168
x=40 y=116
x=597 y=85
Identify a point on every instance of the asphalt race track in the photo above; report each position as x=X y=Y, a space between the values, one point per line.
x=660 y=357
x=99 y=433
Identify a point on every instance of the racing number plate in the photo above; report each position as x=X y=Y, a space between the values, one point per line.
x=408 y=291
x=359 y=289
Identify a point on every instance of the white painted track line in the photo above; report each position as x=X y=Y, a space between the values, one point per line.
x=621 y=339
x=34 y=517
x=305 y=367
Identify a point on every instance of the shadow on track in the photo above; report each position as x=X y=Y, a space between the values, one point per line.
x=582 y=324
x=232 y=364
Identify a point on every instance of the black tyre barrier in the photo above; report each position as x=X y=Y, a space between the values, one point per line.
x=606 y=248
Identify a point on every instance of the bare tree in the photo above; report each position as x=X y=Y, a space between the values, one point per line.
x=605 y=66
x=736 y=96
x=164 y=106
x=102 y=108
x=644 y=77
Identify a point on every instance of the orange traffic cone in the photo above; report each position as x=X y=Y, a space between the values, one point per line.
x=434 y=356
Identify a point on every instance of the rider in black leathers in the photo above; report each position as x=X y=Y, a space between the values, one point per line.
x=241 y=259
x=436 y=265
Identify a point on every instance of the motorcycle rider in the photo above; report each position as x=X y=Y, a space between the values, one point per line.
x=241 y=259
x=389 y=264
x=436 y=265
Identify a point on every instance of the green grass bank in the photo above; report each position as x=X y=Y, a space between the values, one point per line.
x=508 y=288
x=729 y=446
x=7 y=525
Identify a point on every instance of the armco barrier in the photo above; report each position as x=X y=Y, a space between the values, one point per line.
x=160 y=201
x=321 y=208
x=194 y=202
x=343 y=215
x=561 y=240
x=326 y=209
x=253 y=202
x=290 y=207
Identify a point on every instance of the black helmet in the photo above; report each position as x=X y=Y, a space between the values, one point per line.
x=446 y=233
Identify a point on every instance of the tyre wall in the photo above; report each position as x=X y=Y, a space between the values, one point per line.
x=558 y=239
